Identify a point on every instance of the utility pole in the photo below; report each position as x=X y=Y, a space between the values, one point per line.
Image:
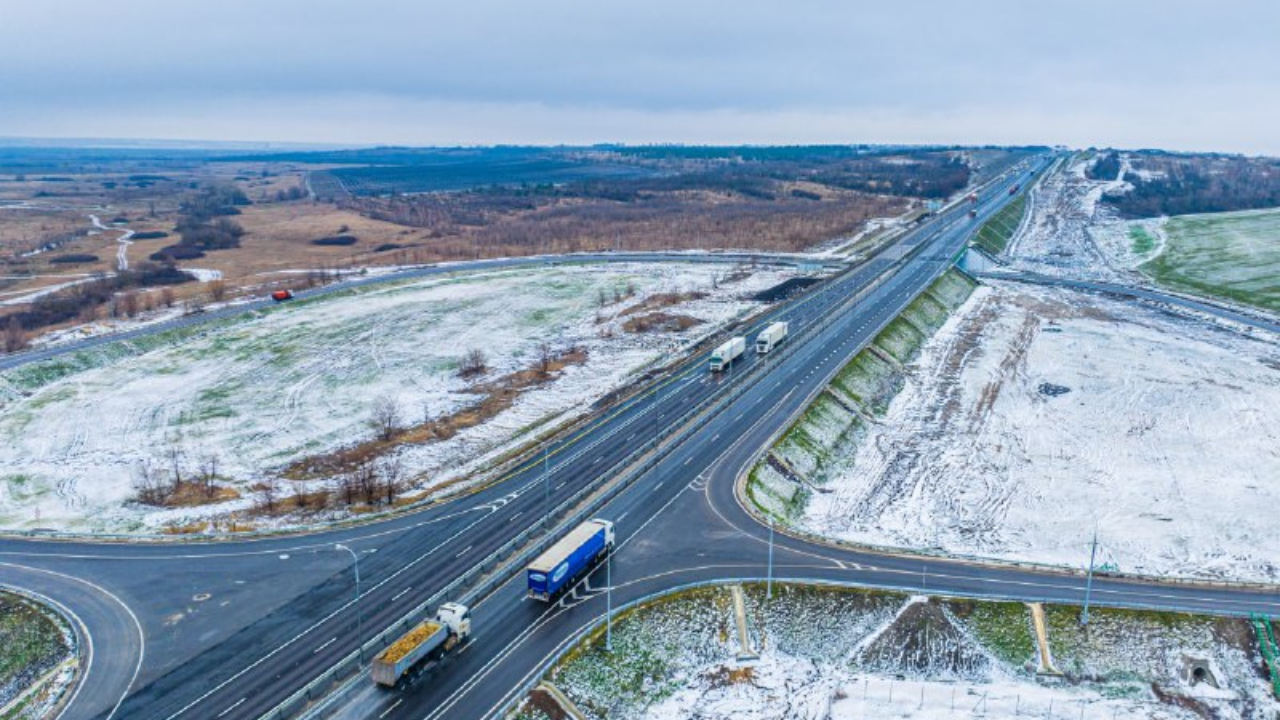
x=355 y=563
x=1088 y=583
x=608 y=598
x=769 y=591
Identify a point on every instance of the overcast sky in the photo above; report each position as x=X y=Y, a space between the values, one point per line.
x=1199 y=75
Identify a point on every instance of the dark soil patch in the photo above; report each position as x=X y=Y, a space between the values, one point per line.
x=785 y=289
x=923 y=640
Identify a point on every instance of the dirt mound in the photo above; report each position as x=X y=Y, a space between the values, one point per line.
x=922 y=639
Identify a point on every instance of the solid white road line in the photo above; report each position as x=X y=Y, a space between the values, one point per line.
x=233 y=707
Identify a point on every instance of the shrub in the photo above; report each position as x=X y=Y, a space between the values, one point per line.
x=71 y=258
x=336 y=240
x=177 y=252
x=150 y=235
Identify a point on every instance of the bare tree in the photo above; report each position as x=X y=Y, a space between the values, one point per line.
x=365 y=476
x=167 y=298
x=269 y=494
x=473 y=362
x=15 y=338
x=207 y=474
x=392 y=472
x=545 y=357
x=386 y=418
x=173 y=455
x=217 y=289
x=148 y=484
x=129 y=304
x=347 y=483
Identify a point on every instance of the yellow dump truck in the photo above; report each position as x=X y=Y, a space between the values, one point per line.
x=428 y=641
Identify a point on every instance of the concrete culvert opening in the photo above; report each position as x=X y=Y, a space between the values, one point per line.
x=1196 y=671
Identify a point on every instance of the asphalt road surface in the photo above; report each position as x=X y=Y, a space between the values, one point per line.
x=231 y=629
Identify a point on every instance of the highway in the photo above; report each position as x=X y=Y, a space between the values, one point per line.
x=232 y=629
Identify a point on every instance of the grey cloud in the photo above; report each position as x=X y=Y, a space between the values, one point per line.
x=74 y=63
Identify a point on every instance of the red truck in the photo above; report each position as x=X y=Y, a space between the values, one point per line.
x=282 y=295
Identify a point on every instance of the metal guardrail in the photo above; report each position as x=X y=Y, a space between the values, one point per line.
x=579 y=635
x=508 y=558
x=924 y=553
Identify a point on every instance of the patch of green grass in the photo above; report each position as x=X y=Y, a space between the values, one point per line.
x=31 y=640
x=868 y=383
x=1233 y=256
x=22 y=488
x=649 y=642
x=1003 y=628
x=1142 y=240
x=995 y=234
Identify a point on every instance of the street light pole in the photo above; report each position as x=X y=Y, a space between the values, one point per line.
x=355 y=560
x=608 y=598
x=1088 y=583
x=546 y=485
x=769 y=592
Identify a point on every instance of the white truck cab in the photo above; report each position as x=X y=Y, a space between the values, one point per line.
x=608 y=531
x=456 y=617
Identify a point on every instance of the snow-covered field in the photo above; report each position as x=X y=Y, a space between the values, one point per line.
x=831 y=654
x=1070 y=233
x=261 y=390
x=1036 y=415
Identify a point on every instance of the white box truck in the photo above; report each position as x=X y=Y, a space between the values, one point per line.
x=769 y=338
x=430 y=639
x=723 y=356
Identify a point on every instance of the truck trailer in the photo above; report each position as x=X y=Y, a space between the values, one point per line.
x=723 y=356
x=430 y=640
x=569 y=559
x=769 y=338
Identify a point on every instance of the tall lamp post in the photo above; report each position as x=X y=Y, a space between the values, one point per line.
x=769 y=592
x=608 y=613
x=1088 y=583
x=546 y=484
x=355 y=560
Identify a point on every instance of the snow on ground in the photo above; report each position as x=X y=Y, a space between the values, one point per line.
x=1069 y=232
x=261 y=390
x=837 y=654
x=1037 y=414
x=203 y=274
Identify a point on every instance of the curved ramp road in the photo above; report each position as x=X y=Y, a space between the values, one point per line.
x=232 y=629
x=1140 y=293
x=109 y=638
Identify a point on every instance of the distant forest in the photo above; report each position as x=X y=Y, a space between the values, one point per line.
x=522 y=200
x=1170 y=184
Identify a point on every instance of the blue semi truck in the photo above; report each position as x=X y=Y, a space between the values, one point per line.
x=569 y=559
